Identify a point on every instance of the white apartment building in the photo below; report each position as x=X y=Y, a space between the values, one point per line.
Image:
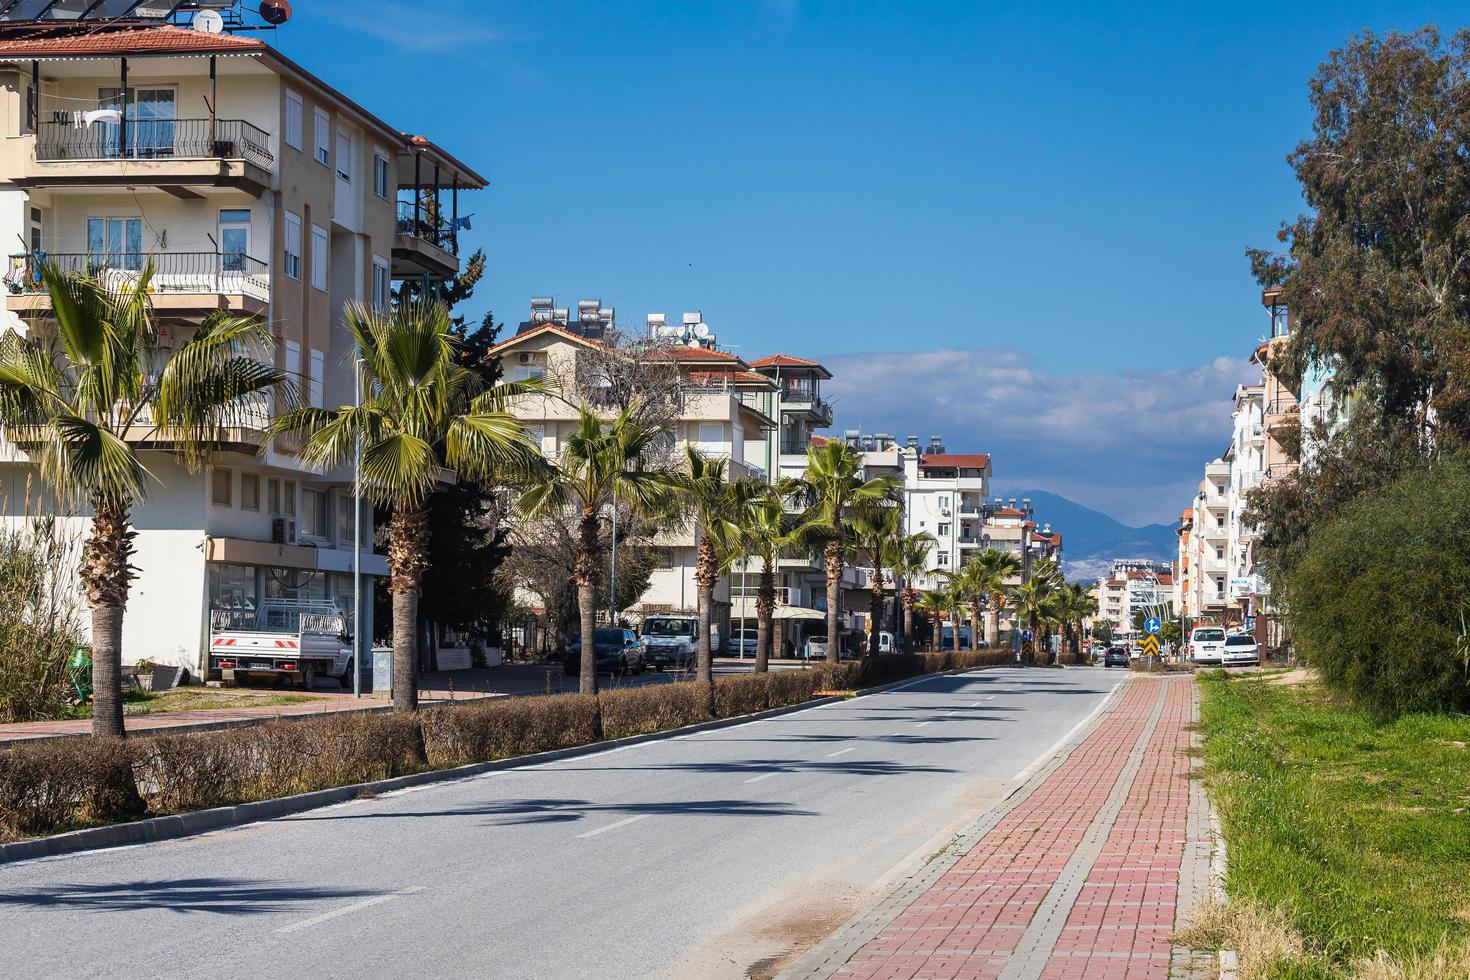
x=1133 y=585
x=1247 y=470
x=1209 y=544
x=249 y=185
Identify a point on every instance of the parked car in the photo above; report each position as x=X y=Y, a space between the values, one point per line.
x=815 y=648
x=1240 y=648
x=670 y=640
x=618 y=651
x=1116 y=656
x=742 y=642
x=1206 y=645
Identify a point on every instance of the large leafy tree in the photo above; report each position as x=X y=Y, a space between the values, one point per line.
x=908 y=560
x=762 y=529
x=89 y=388
x=829 y=492
x=600 y=462
x=421 y=414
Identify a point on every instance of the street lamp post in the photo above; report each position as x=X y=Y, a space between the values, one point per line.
x=357 y=540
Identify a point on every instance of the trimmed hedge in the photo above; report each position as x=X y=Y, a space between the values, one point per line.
x=53 y=786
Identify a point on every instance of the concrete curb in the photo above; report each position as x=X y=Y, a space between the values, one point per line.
x=200 y=821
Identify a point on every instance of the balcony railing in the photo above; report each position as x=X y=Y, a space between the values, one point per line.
x=793 y=395
x=208 y=273
x=155 y=139
x=427 y=226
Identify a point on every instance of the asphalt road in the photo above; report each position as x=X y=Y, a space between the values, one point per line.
x=689 y=857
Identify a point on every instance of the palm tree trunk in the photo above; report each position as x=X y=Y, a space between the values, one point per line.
x=765 y=604
x=936 y=631
x=833 y=563
x=954 y=643
x=992 y=621
x=408 y=541
x=974 y=627
x=705 y=573
x=875 y=611
x=585 y=572
x=106 y=573
x=908 y=623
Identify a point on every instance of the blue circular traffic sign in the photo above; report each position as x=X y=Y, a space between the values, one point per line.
x=1153 y=626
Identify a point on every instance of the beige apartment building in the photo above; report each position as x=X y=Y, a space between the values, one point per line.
x=246 y=184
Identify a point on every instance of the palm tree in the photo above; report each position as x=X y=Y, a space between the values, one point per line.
x=1037 y=599
x=599 y=463
x=1078 y=606
x=908 y=559
x=88 y=388
x=829 y=492
x=954 y=599
x=707 y=499
x=990 y=570
x=874 y=531
x=421 y=413
x=931 y=604
x=762 y=529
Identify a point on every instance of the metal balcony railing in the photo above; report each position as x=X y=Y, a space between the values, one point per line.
x=427 y=226
x=208 y=273
x=155 y=139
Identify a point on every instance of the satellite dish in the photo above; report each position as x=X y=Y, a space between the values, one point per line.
x=208 y=21
x=275 y=12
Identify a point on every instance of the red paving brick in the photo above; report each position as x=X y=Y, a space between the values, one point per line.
x=969 y=921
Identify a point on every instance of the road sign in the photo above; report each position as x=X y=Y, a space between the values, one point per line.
x=1151 y=645
x=1025 y=634
x=1152 y=626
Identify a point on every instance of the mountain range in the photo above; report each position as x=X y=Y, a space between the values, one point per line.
x=1092 y=539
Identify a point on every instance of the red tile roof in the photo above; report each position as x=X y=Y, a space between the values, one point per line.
x=1008 y=512
x=144 y=40
x=783 y=360
x=542 y=328
x=969 y=460
x=696 y=354
x=820 y=440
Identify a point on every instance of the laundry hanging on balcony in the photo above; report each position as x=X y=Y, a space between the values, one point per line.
x=112 y=116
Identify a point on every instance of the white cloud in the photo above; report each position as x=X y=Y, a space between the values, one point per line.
x=1131 y=444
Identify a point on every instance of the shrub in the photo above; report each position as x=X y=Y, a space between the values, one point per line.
x=48 y=787
x=487 y=730
x=1380 y=601
x=655 y=708
x=40 y=620
x=784 y=687
x=743 y=694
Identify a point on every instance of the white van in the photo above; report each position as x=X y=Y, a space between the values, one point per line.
x=1207 y=645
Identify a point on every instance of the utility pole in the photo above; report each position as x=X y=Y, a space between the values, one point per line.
x=357 y=540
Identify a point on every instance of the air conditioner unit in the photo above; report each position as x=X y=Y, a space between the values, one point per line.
x=527 y=359
x=283 y=530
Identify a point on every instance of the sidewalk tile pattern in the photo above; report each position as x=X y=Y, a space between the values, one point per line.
x=969 y=923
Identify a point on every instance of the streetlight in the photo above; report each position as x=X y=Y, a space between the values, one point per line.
x=357 y=540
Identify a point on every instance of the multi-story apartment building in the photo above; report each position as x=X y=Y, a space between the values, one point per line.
x=1183 y=567
x=1209 y=541
x=717 y=411
x=1134 y=585
x=1247 y=470
x=247 y=184
x=1281 y=410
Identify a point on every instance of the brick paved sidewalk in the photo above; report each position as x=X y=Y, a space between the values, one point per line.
x=1080 y=875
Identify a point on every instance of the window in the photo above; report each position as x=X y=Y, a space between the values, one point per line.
x=273 y=495
x=234 y=238
x=344 y=517
x=220 y=485
x=943 y=530
x=249 y=491
x=1219 y=554
x=232 y=586
x=320 y=245
x=1219 y=522
x=323 y=130
x=944 y=558
x=288 y=497
x=293 y=361
x=711 y=438
x=344 y=156
x=317 y=369
x=314 y=513
x=944 y=501
x=295 y=119
x=380 y=174
x=1219 y=586
x=293 y=246
x=118 y=242
x=380 y=283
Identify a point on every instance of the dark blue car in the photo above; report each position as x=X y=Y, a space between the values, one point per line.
x=618 y=651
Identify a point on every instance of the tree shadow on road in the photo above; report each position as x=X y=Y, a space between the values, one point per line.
x=746 y=767
x=222 y=896
x=533 y=811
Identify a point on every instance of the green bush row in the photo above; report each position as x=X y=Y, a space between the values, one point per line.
x=65 y=784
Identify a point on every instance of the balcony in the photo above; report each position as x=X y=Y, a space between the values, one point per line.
x=426 y=244
x=804 y=399
x=185 y=285
x=181 y=156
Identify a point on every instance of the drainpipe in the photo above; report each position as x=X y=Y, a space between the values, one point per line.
x=123 y=99
x=35 y=99
x=213 y=103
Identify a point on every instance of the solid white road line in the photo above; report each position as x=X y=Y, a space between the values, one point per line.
x=1041 y=759
x=833 y=755
x=348 y=909
x=612 y=826
x=764 y=775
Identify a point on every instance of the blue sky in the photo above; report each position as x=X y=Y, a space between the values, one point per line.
x=1016 y=225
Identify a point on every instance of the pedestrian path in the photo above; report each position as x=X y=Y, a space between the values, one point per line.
x=1083 y=874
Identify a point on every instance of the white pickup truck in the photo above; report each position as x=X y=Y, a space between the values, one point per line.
x=282 y=638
